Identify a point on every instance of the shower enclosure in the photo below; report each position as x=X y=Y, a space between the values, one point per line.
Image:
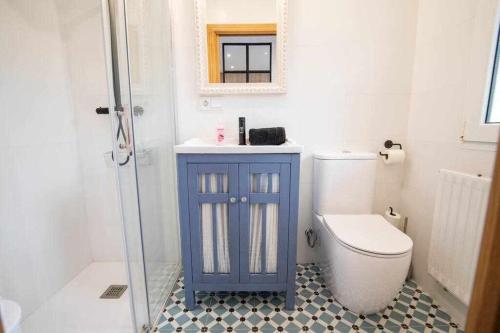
x=139 y=76
x=87 y=199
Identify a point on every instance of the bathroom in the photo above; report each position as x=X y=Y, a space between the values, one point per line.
x=94 y=195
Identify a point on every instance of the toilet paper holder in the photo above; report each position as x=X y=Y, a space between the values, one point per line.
x=389 y=144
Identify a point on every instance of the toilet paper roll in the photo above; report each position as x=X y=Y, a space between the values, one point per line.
x=394 y=219
x=394 y=156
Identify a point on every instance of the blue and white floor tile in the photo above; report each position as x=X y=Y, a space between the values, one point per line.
x=412 y=310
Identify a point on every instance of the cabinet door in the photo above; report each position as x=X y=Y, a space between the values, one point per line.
x=264 y=210
x=213 y=216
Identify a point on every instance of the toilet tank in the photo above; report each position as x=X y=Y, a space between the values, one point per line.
x=343 y=183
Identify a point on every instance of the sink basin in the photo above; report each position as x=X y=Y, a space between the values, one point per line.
x=200 y=146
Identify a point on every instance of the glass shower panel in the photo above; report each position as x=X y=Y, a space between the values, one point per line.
x=144 y=122
x=150 y=71
x=124 y=156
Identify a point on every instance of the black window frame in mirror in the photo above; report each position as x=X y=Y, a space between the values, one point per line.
x=247 y=71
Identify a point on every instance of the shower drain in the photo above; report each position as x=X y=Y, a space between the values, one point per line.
x=114 y=291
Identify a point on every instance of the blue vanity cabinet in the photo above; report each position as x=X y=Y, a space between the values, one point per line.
x=238 y=215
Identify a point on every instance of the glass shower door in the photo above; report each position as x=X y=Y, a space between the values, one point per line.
x=143 y=125
x=151 y=74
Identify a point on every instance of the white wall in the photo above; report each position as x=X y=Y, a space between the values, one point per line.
x=443 y=46
x=43 y=236
x=83 y=40
x=349 y=79
x=241 y=11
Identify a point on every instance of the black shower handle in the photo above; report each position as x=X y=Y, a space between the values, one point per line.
x=101 y=110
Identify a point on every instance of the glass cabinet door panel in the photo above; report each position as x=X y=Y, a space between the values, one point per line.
x=211 y=187
x=264 y=221
x=264 y=225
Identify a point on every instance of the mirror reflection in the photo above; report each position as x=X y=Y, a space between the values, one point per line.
x=241 y=40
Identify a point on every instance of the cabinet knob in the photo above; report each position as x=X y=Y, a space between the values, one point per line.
x=244 y=199
x=232 y=200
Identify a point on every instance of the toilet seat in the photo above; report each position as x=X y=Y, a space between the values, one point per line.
x=350 y=272
x=368 y=234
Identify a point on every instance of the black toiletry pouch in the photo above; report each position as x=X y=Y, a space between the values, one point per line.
x=267 y=136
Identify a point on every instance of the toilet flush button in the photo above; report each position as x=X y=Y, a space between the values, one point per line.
x=346 y=151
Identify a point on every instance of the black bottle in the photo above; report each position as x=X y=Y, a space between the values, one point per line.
x=242 y=131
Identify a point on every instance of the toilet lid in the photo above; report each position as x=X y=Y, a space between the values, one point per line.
x=369 y=233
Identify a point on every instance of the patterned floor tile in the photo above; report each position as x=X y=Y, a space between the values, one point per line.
x=412 y=310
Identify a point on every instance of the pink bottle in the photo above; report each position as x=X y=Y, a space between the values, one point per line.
x=220 y=135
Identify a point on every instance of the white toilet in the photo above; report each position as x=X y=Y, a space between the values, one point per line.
x=10 y=312
x=363 y=257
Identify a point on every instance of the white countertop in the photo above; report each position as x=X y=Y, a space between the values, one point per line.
x=199 y=146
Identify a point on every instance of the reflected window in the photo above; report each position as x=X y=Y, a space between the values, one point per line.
x=246 y=62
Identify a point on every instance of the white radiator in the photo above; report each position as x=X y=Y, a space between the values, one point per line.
x=459 y=214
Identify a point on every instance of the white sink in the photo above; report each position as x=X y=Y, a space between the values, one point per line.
x=199 y=146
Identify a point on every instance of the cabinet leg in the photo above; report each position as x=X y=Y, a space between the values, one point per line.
x=290 y=298
x=190 y=298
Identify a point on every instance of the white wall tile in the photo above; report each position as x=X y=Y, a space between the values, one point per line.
x=88 y=85
x=440 y=17
x=42 y=220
